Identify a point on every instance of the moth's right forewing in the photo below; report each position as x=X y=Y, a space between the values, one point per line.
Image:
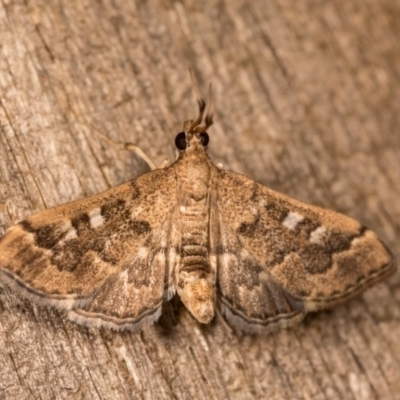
x=67 y=255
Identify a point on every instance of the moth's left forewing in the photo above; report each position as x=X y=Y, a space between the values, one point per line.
x=305 y=257
x=340 y=259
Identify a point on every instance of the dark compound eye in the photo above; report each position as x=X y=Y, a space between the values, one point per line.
x=204 y=138
x=180 y=141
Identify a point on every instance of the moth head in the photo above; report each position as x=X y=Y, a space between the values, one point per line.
x=194 y=135
x=190 y=141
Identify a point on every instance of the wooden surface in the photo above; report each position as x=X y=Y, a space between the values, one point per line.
x=307 y=102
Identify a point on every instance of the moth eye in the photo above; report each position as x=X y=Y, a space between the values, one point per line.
x=204 y=138
x=180 y=141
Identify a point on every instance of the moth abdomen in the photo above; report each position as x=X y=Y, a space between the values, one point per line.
x=196 y=283
x=198 y=296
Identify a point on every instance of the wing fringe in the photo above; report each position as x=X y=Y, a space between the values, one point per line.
x=61 y=302
x=97 y=320
x=260 y=326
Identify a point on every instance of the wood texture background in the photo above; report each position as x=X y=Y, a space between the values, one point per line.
x=307 y=100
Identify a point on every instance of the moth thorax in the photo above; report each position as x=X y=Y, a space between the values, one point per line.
x=199 y=298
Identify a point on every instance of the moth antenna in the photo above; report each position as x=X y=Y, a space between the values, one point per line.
x=200 y=102
x=208 y=120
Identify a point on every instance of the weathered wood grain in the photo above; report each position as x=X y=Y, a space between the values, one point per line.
x=307 y=102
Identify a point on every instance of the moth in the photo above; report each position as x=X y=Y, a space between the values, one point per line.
x=216 y=238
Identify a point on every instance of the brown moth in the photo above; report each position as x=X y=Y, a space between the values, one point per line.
x=215 y=237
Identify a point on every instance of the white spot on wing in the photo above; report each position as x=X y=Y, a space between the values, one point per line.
x=253 y=210
x=71 y=234
x=96 y=218
x=67 y=226
x=292 y=219
x=136 y=212
x=143 y=252
x=124 y=279
x=317 y=236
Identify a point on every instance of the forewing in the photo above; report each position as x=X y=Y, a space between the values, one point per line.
x=278 y=258
x=111 y=256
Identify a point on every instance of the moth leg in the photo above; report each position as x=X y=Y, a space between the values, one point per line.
x=128 y=146
x=164 y=164
x=140 y=153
